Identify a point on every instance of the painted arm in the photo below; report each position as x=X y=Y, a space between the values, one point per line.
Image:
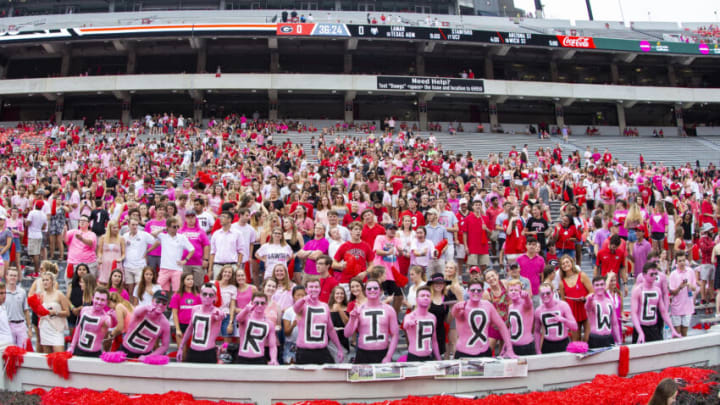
x=186 y=336
x=617 y=334
x=76 y=336
x=635 y=315
x=567 y=318
x=336 y=341
x=272 y=347
x=666 y=318
x=395 y=336
x=538 y=333
x=507 y=350
x=435 y=347
x=353 y=322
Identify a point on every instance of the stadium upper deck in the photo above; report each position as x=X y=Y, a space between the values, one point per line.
x=350 y=65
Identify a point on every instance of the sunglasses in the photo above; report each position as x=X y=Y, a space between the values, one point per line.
x=372 y=288
x=475 y=290
x=207 y=295
x=173 y=226
x=546 y=293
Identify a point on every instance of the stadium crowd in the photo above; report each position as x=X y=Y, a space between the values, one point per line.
x=244 y=249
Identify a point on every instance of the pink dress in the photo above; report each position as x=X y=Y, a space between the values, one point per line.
x=110 y=254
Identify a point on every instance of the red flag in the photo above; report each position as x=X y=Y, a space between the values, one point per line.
x=291 y=268
x=69 y=272
x=218 y=297
x=400 y=279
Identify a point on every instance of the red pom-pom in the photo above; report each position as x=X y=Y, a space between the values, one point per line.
x=37 y=391
x=28 y=345
x=624 y=361
x=351 y=264
x=13 y=357
x=440 y=247
x=36 y=304
x=58 y=363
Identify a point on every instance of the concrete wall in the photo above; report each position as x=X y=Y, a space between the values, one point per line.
x=357 y=83
x=269 y=384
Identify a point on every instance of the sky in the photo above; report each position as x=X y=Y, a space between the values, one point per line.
x=632 y=10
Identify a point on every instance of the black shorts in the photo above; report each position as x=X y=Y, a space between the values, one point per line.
x=313 y=356
x=391 y=288
x=653 y=333
x=131 y=355
x=597 y=341
x=590 y=204
x=82 y=353
x=183 y=327
x=369 y=356
x=525 y=350
x=551 y=346
x=658 y=236
x=201 y=356
x=412 y=357
x=486 y=353
x=250 y=360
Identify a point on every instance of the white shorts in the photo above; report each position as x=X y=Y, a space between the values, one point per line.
x=34 y=246
x=681 y=320
x=132 y=276
x=707 y=271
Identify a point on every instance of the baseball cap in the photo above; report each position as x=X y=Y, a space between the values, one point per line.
x=190 y=212
x=391 y=227
x=432 y=211
x=161 y=295
x=463 y=201
x=474 y=269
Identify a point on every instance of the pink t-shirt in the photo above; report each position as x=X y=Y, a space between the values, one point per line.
x=184 y=305
x=682 y=303
x=150 y=227
x=79 y=252
x=658 y=222
x=199 y=239
x=383 y=243
x=532 y=269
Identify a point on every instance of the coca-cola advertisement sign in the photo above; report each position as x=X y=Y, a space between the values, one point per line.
x=576 y=42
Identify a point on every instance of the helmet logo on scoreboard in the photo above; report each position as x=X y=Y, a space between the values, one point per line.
x=286 y=29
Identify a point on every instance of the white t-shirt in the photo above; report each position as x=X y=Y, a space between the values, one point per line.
x=172 y=250
x=206 y=221
x=6 y=337
x=249 y=237
x=135 y=247
x=146 y=298
x=274 y=254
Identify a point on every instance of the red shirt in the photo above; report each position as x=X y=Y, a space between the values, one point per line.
x=609 y=261
x=326 y=286
x=362 y=252
x=369 y=234
x=477 y=237
x=417 y=218
x=563 y=235
x=515 y=240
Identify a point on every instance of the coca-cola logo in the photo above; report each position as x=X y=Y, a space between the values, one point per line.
x=576 y=42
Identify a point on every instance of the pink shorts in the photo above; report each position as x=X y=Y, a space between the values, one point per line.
x=169 y=280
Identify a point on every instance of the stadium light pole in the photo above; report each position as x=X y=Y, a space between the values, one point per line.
x=622 y=14
x=589 y=8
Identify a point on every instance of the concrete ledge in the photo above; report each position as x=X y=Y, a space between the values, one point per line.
x=260 y=384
